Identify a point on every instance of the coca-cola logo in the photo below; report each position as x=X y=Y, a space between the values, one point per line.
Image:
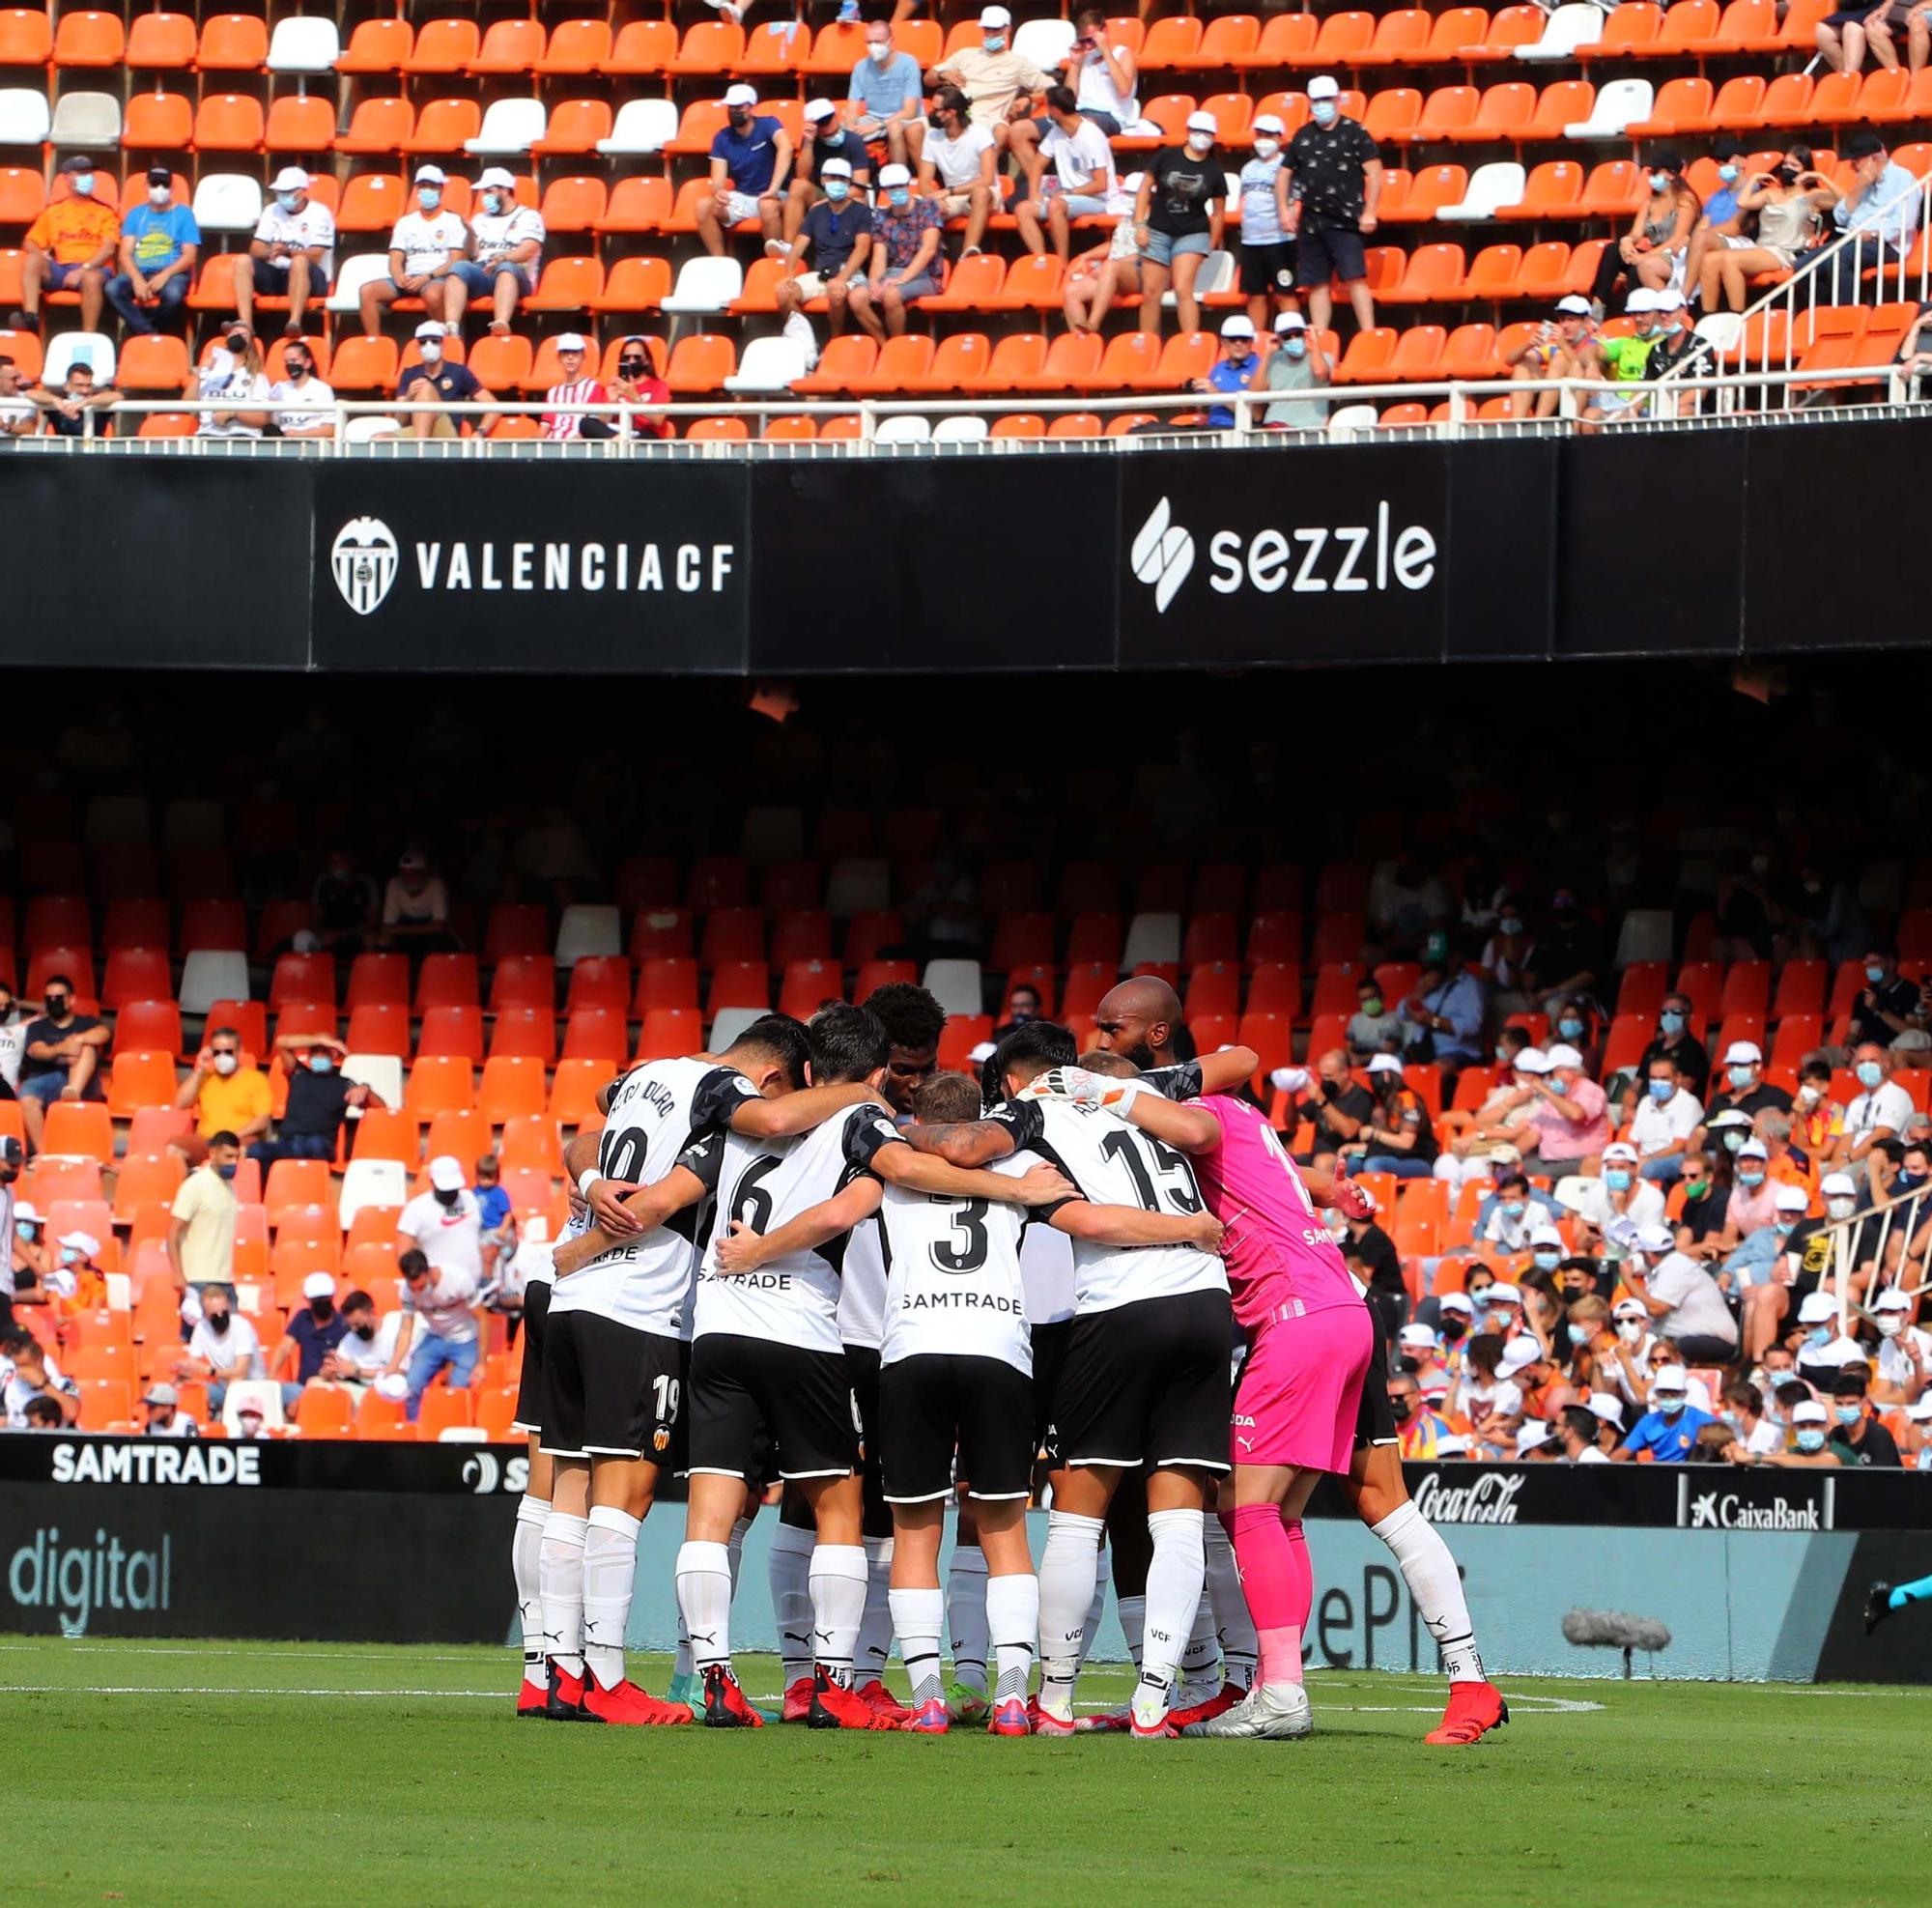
x=1490 y=1497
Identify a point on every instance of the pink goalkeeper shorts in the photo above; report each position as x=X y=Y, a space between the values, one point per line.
x=1301 y=1389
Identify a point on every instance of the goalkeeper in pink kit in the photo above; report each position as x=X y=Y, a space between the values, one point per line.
x=1306 y=1400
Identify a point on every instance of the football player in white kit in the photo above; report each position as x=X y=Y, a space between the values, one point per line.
x=616 y=1346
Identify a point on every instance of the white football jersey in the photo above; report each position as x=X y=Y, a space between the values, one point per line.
x=1046 y=1264
x=657 y=1112
x=861 y=1293
x=792 y=1299
x=955 y=1285
x=1115 y=1164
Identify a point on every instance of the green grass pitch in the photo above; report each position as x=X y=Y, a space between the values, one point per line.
x=200 y=1773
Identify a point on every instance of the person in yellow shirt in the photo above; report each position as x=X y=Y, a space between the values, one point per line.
x=227 y=1098
x=201 y=1242
x=69 y=248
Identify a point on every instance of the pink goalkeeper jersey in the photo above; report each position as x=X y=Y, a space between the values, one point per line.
x=1277 y=1250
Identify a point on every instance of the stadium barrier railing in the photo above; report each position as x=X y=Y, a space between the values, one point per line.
x=1848 y=1247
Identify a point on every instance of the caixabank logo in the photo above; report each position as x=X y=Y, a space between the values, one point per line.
x=1377 y=558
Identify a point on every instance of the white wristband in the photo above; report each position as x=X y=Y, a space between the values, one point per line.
x=586 y=1179
x=1126 y=1092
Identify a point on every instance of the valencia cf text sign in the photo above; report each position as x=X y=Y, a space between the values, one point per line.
x=626 y=567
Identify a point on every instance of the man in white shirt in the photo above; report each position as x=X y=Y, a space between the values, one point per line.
x=292 y=254
x=956 y=161
x=1666 y=1116
x=1575 y=1430
x=363 y=1355
x=222 y=1347
x=1682 y=1299
x=424 y=250
x=446 y=1306
x=1081 y=184
x=1878 y=1113
x=1615 y=1191
x=1904 y=1351
x=507 y=242
x=19 y=418
x=446 y=1223
x=302 y=399
x=165 y=1416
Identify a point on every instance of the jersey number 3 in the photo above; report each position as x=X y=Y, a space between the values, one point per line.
x=966 y=1250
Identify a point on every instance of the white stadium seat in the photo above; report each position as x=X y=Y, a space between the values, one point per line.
x=510 y=128
x=643 y=126
x=304 y=45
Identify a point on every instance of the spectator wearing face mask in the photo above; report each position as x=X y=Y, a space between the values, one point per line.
x=1823 y=1349
x=1266 y=253
x=1745 y=1090
x=751 y=166
x=1817 y=1120
x=1508 y=960
x=445 y=1301
x=1756 y=1273
x=1576 y=1023
x=1856 y=1435
x=314 y=1330
x=13 y=1041
x=1750 y=1204
x=1665 y=1117
x=1506 y=1219
x=1889 y=1012
x=221 y=1349
x=201 y=1240
x=1666 y=1432
x=1875 y=219
x=225 y=1095
x=1682 y=1299
x=1298 y=363
x=69 y=246
x=304 y=405
x=357 y=1358
x=998 y=81
x=1498 y=1310
x=432 y=383
x=886 y=94
x=1917 y=1451
x=232 y=387
x=1397 y=1137
x=1753 y=1432
x=1675 y=1042
x=1337 y=1108
x=424 y=249
x=319 y=1100
x=1813 y=1250
x=1904 y=1358
x=61 y=1054
x=506 y=242
x=1178 y=213
x=159 y=244
x=1442 y=1019
x=1618 y=1192
x=1333 y=185
x=1878 y=1112
x=1373 y=1027
x=1418 y=1426
x=1234 y=370
x=76 y=1282
x=1566 y=1124
x=30 y=1259
x=293 y=253
x=637 y=382
x=903 y=262
x=1586 y=1342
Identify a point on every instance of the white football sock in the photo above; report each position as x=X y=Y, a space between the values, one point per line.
x=1201 y=1658
x=1133 y=1624
x=875 y=1627
x=526 y=1567
x=704 y=1601
x=1097 y=1608
x=1175 y=1580
x=1236 y=1627
x=1067 y=1571
x=560 y=1573
x=1012 y=1615
x=789 y=1564
x=1429 y=1569
x=966 y=1614
x=837 y=1585
x=609 y=1571
x=919 y=1616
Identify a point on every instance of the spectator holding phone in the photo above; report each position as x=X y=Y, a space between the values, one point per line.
x=1645 y=258
x=1790 y=202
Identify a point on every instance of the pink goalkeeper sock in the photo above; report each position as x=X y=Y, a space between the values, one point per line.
x=1279 y=1585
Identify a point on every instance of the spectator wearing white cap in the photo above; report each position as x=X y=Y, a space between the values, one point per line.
x=1081 y=186
x=1297 y=364
x=445 y=1222
x=1234 y=370
x=304 y=405
x=1178 y=213
x=751 y=168
x=1823 y=1349
x=1615 y=1192
x=1668 y=1432
x=1904 y=1358
x=506 y=242
x=424 y=249
x=1682 y=1299
x=903 y=263
x=957 y=161
x=1813 y=1248
x=1621 y=362
x=826 y=138
x=445 y=1302
x=1398 y=1137
x=560 y=426
x=1566 y=1124
x=1334 y=187
x=24 y=1266
x=314 y=1328
x=166 y=1418
x=222 y=1347
x=1499 y=1305
x=829 y=251
x=1609 y=1413
x=1878 y=1112
x=999 y=85
x=1552 y=351
x=293 y=253
x=1266 y=253
x=1666 y=1115
x=1677 y=351
x=427 y=387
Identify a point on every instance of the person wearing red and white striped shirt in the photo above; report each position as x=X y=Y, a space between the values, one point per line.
x=576 y=389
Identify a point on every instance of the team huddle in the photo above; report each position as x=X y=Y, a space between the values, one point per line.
x=816 y=1260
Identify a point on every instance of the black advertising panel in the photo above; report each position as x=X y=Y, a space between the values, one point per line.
x=1854 y=581
x=1335 y=554
x=500 y=563
x=934 y=563
x=175 y=563
x=1503 y=503
x=1649 y=544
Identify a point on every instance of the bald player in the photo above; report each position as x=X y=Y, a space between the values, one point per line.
x=1136 y=1020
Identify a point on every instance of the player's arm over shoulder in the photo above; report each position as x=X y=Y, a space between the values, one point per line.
x=650 y=1205
x=886 y=1156
x=1191 y=1128
x=980 y=1142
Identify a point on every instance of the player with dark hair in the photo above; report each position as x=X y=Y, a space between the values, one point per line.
x=912 y=1020
x=767 y=1362
x=616 y=1346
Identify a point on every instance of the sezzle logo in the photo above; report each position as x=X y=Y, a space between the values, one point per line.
x=1349 y=558
x=365 y=560
x=1489 y=1499
x=1726 y=1510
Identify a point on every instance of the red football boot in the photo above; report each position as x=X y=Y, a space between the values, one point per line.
x=1474 y=1710
x=564 y=1702
x=626 y=1703
x=835 y=1707
x=725 y=1705
x=797 y=1701
x=532 y=1699
x=1218 y=1704
x=884 y=1702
